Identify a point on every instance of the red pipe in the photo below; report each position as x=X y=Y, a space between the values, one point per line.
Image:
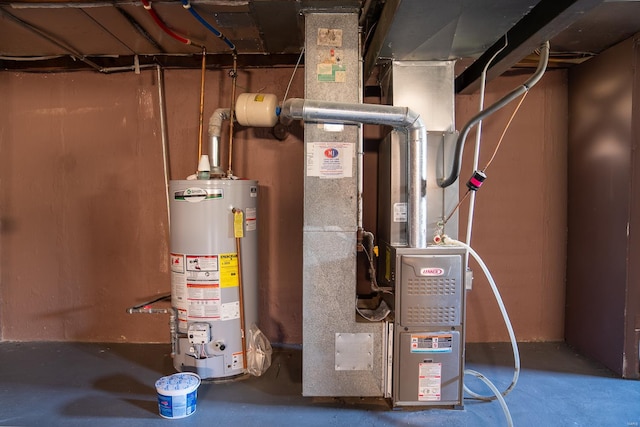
x=154 y=15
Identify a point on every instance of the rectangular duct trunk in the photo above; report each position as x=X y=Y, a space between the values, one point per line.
x=341 y=357
x=427 y=87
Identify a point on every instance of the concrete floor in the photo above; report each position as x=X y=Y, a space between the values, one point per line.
x=85 y=384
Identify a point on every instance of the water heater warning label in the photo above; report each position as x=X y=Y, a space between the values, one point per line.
x=231 y=310
x=430 y=382
x=229 y=270
x=202 y=263
x=177 y=263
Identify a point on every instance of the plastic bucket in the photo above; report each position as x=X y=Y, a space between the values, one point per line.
x=178 y=395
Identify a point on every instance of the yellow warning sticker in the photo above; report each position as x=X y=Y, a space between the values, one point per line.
x=238 y=220
x=228 y=270
x=259 y=98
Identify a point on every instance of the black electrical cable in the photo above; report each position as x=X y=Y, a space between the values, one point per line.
x=158 y=299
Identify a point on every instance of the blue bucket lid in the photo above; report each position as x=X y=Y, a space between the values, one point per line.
x=177 y=382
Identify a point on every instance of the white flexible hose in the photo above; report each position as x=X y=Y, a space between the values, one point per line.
x=512 y=336
x=495 y=390
x=516 y=355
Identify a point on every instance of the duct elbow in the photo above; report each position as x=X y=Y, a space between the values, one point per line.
x=413 y=120
x=216 y=119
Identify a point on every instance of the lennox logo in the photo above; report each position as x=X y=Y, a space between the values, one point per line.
x=331 y=153
x=432 y=271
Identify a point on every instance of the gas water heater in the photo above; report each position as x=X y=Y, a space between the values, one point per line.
x=213 y=273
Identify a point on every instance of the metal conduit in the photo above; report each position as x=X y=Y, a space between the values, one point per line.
x=400 y=118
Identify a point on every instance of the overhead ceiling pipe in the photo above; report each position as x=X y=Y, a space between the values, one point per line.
x=400 y=118
x=50 y=38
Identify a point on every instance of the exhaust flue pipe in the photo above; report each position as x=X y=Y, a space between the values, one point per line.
x=215 y=129
x=400 y=118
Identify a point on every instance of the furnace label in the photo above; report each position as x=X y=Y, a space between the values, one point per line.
x=399 y=212
x=433 y=343
x=429 y=382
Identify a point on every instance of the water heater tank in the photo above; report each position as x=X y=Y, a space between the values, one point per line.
x=205 y=273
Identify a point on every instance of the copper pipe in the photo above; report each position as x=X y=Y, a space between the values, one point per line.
x=241 y=300
x=200 y=126
x=232 y=115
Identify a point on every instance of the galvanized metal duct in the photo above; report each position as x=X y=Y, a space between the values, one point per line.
x=400 y=118
x=215 y=129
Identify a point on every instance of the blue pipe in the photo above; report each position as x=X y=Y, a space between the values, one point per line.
x=187 y=5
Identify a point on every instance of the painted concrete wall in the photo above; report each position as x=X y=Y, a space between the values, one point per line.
x=83 y=212
x=520 y=220
x=84 y=224
x=603 y=274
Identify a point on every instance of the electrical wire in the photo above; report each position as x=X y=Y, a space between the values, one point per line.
x=286 y=92
x=456 y=207
x=187 y=5
x=505 y=131
x=153 y=301
x=163 y=26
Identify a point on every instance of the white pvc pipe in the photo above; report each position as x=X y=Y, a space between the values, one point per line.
x=476 y=151
x=165 y=140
